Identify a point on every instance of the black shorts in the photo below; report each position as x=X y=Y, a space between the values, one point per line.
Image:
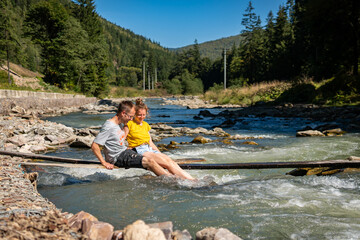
x=129 y=159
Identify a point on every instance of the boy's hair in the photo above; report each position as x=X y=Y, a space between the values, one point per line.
x=125 y=106
x=140 y=105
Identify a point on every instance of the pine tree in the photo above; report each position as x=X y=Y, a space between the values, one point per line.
x=9 y=39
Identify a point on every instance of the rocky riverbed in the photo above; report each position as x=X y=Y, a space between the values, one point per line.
x=27 y=215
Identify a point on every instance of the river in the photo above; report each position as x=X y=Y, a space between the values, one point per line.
x=253 y=204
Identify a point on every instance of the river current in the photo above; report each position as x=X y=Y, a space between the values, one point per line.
x=253 y=204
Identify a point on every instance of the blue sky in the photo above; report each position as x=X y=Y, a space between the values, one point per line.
x=177 y=23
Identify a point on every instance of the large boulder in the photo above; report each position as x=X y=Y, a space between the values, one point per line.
x=76 y=220
x=96 y=230
x=216 y=234
x=139 y=230
x=310 y=133
x=165 y=227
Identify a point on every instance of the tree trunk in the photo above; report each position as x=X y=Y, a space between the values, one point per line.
x=8 y=57
x=8 y=65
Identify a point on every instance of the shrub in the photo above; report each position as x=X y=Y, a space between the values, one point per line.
x=173 y=86
x=192 y=86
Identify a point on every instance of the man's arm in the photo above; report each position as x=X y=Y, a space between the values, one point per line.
x=96 y=150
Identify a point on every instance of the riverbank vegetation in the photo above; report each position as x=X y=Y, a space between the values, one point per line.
x=307 y=52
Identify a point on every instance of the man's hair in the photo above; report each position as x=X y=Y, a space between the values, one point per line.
x=125 y=106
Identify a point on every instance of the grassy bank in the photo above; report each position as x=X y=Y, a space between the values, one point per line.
x=248 y=95
x=336 y=91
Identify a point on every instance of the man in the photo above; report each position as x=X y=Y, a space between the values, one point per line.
x=112 y=137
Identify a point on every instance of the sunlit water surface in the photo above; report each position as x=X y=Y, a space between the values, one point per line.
x=254 y=204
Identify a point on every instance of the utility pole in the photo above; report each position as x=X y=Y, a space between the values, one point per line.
x=144 y=75
x=224 y=68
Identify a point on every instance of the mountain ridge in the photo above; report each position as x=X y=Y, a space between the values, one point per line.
x=213 y=49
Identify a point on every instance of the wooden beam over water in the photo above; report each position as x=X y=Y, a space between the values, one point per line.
x=352 y=162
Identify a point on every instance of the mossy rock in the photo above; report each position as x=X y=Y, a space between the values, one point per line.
x=250 y=143
x=201 y=139
x=321 y=171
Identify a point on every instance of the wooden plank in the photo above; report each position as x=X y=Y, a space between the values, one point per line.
x=253 y=165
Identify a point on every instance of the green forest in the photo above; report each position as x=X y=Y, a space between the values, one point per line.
x=77 y=50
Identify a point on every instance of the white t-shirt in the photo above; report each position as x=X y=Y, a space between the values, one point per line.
x=112 y=137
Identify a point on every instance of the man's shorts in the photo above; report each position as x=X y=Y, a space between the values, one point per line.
x=129 y=159
x=145 y=148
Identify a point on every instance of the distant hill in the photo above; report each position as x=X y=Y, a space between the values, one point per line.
x=214 y=49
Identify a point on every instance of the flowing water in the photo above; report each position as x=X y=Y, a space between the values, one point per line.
x=254 y=204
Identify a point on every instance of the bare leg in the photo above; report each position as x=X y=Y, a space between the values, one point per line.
x=153 y=166
x=166 y=162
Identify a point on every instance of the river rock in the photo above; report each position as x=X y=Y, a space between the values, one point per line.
x=334 y=132
x=18 y=140
x=250 y=143
x=321 y=171
x=18 y=109
x=82 y=142
x=181 y=235
x=206 y=113
x=97 y=230
x=227 y=124
x=201 y=139
x=165 y=227
x=76 y=220
x=38 y=148
x=310 y=133
x=139 y=230
x=51 y=138
x=216 y=234
x=219 y=132
x=236 y=137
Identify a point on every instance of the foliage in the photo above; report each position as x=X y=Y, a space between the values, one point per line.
x=117 y=92
x=173 y=86
x=299 y=93
x=128 y=76
x=192 y=85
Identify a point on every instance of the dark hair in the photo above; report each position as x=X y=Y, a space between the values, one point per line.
x=125 y=106
x=140 y=105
